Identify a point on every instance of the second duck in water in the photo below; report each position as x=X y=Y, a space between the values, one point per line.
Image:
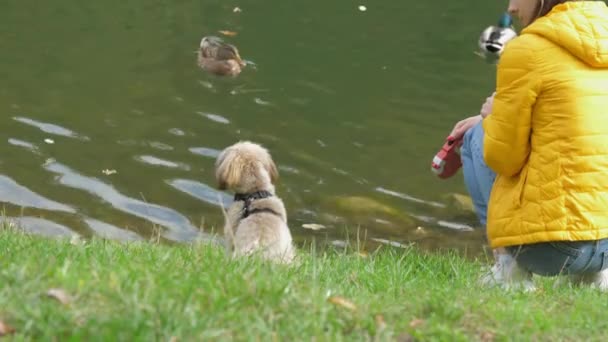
x=219 y=58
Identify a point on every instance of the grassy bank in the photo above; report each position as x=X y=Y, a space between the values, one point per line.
x=154 y=292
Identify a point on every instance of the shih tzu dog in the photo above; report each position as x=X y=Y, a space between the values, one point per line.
x=256 y=222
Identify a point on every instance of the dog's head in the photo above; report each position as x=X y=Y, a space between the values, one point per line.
x=245 y=167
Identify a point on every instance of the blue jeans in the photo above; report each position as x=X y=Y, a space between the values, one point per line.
x=547 y=258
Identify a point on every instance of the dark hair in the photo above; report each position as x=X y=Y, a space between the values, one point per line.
x=546 y=6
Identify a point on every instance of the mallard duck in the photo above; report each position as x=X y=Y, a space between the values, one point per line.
x=494 y=38
x=219 y=58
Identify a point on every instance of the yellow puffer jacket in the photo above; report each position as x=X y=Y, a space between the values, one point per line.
x=547 y=135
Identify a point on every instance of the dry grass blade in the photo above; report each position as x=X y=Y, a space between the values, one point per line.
x=343 y=302
x=380 y=322
x=6 y=329
x=60 y=295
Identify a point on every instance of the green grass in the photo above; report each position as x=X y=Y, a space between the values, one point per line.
x=152 y=292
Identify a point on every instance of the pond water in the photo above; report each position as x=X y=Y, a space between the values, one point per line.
x=109 y=127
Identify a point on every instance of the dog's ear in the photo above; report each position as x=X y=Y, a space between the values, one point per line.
x=227 y=170
x=272 y=170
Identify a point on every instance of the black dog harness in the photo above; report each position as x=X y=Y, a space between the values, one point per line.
x=249 y=198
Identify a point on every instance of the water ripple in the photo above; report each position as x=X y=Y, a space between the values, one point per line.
x=180 y=228
x=410 y=198
x=14 y=193
x=50 y=128
x=108 y=231
x=36 y=225
x=214 y=117
x=161 y=162
x=201 y=191
x=205 y=151
x=24 y=144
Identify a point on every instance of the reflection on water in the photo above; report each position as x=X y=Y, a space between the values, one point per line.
x=409 y=198
x=116 y=84
x=21 y=196
x=215 y=117
x=161 y=162
x=201 y=191
x=40 y=226
x=50 y=128
x=179 y=227
x=205 y=151
x=21 y=143
x=108 y=231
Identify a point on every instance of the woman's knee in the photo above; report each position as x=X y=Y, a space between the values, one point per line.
x=563 y=257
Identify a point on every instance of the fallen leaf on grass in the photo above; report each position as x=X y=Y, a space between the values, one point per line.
x=60 y=295
x=487 y=336
x=405 y=337
x=228 y=33
x=416 y=322
x=6 y=329
x=380 y=322
x=343 y=302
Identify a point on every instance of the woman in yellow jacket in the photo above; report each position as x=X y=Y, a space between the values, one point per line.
x=545 y=135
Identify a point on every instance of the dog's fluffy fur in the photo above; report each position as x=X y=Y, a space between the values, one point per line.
x=246 y=168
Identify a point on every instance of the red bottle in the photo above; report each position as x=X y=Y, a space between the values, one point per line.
x=447 y=161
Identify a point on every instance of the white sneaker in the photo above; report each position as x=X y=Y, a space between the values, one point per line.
x=507 y=274
x=598 y=280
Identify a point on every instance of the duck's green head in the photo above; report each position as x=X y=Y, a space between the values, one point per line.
x=505 y=20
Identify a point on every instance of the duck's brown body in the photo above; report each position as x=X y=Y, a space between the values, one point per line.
x=219 y=58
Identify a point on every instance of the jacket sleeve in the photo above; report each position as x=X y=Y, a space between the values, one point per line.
x=507 y=129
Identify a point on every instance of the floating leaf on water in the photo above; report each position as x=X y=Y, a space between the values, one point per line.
x=261 y=102
x=60 y=295
x=343 y=302
x=108 y=172
x=228 y=33
x=313 y=226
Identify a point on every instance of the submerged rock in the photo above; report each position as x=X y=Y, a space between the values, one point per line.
x=460 y=202
x=368 y=211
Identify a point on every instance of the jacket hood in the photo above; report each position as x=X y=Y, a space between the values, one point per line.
x=580 y=27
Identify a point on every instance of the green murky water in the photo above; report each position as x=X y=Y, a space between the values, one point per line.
x=352 y=105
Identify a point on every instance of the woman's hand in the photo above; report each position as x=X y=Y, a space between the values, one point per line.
x=486 y=108
x=464 y=125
